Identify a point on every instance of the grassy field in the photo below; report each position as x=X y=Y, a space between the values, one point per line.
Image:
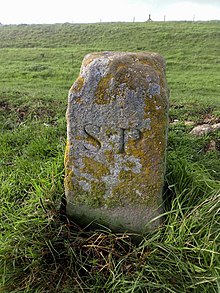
x=40 y=251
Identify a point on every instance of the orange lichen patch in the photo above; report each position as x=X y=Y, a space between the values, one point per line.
x=94 y=168
x=102 y=95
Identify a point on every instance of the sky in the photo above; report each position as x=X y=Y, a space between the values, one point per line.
x=90 y=11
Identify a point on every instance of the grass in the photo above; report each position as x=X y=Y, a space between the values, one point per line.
x=40 y=249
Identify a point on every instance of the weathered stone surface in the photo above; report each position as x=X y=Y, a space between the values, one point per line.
x=116 y=139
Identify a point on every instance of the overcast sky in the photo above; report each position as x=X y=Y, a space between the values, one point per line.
x=86 y=11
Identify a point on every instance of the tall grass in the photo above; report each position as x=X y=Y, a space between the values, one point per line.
x=43 y=252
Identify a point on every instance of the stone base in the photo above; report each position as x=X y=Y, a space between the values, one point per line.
x=133 y=219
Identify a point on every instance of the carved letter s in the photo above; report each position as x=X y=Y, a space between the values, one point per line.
x=92 y=131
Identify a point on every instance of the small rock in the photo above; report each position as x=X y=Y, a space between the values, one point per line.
x=216 y=126
x=204 y=129
x=211 y=146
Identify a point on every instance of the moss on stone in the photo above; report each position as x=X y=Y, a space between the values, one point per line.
x=110 y=157
x=67 y=162
x=130 y=165
x=93 y=198
x=79 y=137
x=68 y=183
x=157 y=143
x=125 y=194
x=77 y=87
x=98 y=192
x=102 y=97
x=126 y=176
x=94 y=167
x=79 y=83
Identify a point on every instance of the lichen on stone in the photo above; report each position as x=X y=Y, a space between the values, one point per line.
x=102 y=93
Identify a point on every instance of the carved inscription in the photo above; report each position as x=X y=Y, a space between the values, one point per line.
x=122 y=141
x=94 y=132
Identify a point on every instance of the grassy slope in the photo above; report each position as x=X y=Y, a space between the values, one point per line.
x=38 y=64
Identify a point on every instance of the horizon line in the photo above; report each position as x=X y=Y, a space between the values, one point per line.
x=106 y=22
